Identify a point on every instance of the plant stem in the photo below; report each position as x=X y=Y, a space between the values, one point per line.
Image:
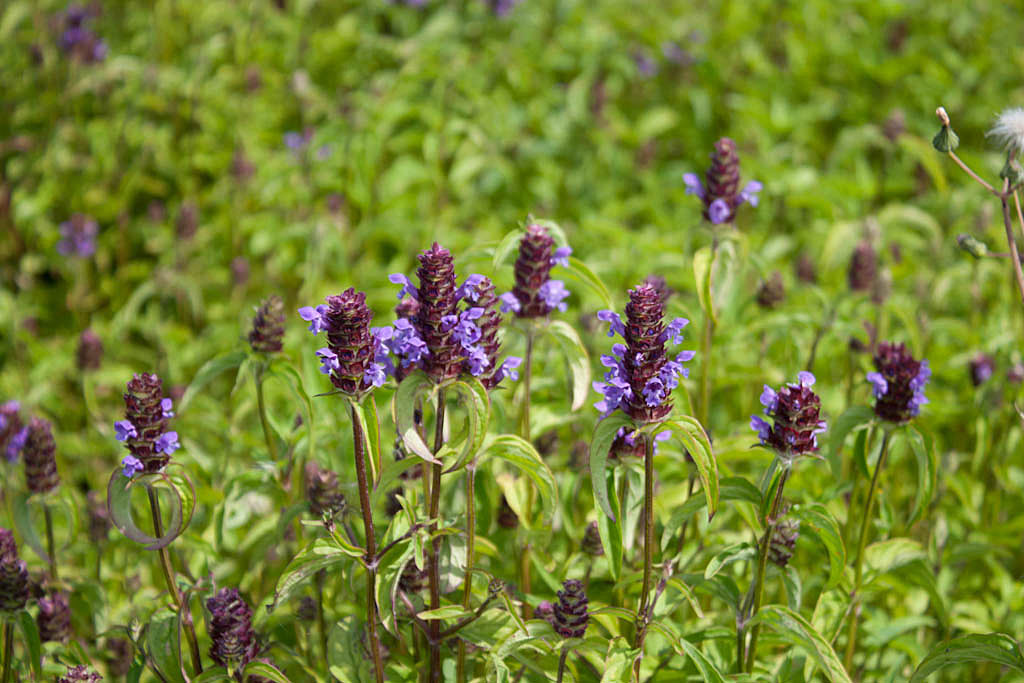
x=1018 y=274
x=968 y=171
x=48 y=517
x=561 y=663
x=757 y=590
x=527 y=376
x=172 y=585
x=434 y=566
x=524 y=556
x=643 y=617
x=268 y=433
x=321 y=621
x=869 y=504
x=467 y=581
x=8 y=650
x=359 y=443
x=706 y=343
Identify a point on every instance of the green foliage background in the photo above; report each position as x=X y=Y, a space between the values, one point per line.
x=448 y=123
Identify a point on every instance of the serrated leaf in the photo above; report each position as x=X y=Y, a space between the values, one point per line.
x=693 y=437
x=600 y=445
x=403 y=406
x=209 y=372
x=816 y=519
x=576 y=358
x=998 y=648
x=796 y=630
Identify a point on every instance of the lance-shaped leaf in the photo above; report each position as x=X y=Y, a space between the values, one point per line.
x=798 y=631
x=738 y=552
x=702 y=264
x=478 y=408
x=209 y=372
x=927 y=470
x=26 y=507
x=600 y=445
x=610 y=527
x=268 y=671
x=30 y=637
x=819 y=522
x=368 y=424
x=693 y=437
x=576 y=358
x=580 y=272
x=998 y=648
x=320 y=554
x=163 y=641
x=403 y=406
x=519 y=452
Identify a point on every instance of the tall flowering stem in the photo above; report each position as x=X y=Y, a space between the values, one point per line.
x=898 y=387
x=266 y=338
x=40 y=453
x=793 y=433
x=356 y=360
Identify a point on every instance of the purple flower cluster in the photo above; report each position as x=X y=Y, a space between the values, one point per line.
x=722 y=194
x=795 y=411
x=14 y=579
x=502 y=7
x=78 y=236
x=898 y=385
x=535 y=294
x=77 y=39
x=144 y=430
x=233 y=641
x=13 y=432
x=640 y=376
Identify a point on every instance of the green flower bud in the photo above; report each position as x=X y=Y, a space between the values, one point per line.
x=972 y=245
x=1012 y=171
x=946 y=140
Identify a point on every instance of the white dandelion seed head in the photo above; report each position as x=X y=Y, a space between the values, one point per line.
x=1008 y=130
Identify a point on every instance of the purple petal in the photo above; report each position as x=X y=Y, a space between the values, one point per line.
x=805 y=378
x=407 y=286
x=468 y=288
x=613 y=319
x=760 y=426
x=561 y=256
x=769 y=399
x=124 y=430
x=166 y=405
x=509 y=302
x=749 y=192
x=719 y=211
x=131 y=465
x=693 y=184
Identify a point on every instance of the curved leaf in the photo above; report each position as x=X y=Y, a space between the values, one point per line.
x=290 y=376
x=506 y=246
x=319 y=554
x=372 y=455
x=209 y=372
x=738 y=552
x=478 y=408
x=576 y=358
x=403 y=406
x=163 y=640
x=702 y=276
x=927 y=471
x=997 y=648
x=600 y=445
x=33 y=643
x=578 y=271
x=693 y=437
x=218 y=673
x=815 y=518
x=854 y=417
x=798 y=631
x=610 y=527
x=119 y=503
x=258 y=668
x=21 y=503
x=704 y=665
x=521 y=453
x=730 y=488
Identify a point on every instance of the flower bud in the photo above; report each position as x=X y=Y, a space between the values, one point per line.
x=863 y=268
x=80 y=674
x=144 y=429
x=323 y=491
x=1013 y=172
x=795 y=412
x=783 y=541
x=413 y=579
x=591 y=544
x=946 y=140
x=90 y=351
x=40 y=457
x=54 y=618
x=981 y=366
x=233 y=642
x=771 y=292
x=268 y=326
x=571 y=615
x=898 y=384
x=507 y=518
x=14 y=581
x=972 y=245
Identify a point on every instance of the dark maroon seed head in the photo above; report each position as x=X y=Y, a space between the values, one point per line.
x=40 y=457
x=489 y=324
x=899 y=383
x=14 y=580
x=268 y=326
x=142 y=400
x=349 y=337
x=54 y=618
x=233 y=642
x=438 y=299
x=507 y=518
x=723 y=178
x=571 y=615
x=532 y=270
x=783 y=541
x=645 y=352
x=591 y=544
x=90 y=351
x=323 y=491
x=863 y=268
x=771 y=292
x=982 y=366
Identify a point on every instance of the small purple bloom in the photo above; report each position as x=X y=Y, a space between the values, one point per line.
x=654 y=391
x=328 y=360
x=297 y=141
x=805 y=379
x=693 y=184
x=468 y=288
x=376 y=374
x=315 y=317
x=407 y=286
x=167 y=443
x=509 y=302
x=761 y=426
x=613 y=319
x=509 y=368
x=674 y=330
x=166 y=405
x=78 y=236
x=125 y=430
x=16 y=443
x=878 y=383
x=407 y=344
x=552 y=292
x=749 y=192
x=644 y=64
x=719 y=211
x=561 y=256
x=769 y=399
x=131 y=465
x=478 y=361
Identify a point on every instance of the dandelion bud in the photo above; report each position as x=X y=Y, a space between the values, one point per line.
x=323 y=491
x=946 y=140
x=972 y=245
x=863 y=268
x=783 y=541
x=90 y=351
x=771 y=292
x=591 y=544
x=54 y=618
x=233 y=642
x=80 y=674
x=268 y=326
x=794 y=410
x=981 y=366
x=571 y=610
x=40 y=457
x=898 y=385
x=14 y=581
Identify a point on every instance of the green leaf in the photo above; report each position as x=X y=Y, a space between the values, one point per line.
x=210 y=370
x=30 y=637
x=854 y=417
x=119 y=492
x=600 y=445
x=998 y=648
x=373 y=435
x=927 y=471
x=738 y=552
x=693 y=437
x=730 y=488
x=218 y=673
x=371 y=455
x=319 y=554
x=403 y=405
x=815 y=518
x=478 y=408
x=886 y=556
x=21 y=504
x=798 y=631
x=576 y=358
x=506 y=246
x=578 y=271
x=705 y=666
x=284 y=370
x=521 y=453
x=610 y=527
x=446 y=612
x=258 y=668
x=163 y=640
x=702 y=262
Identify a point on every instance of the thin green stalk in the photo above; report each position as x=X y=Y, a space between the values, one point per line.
x=268 y=433
x=359 y=443
x=8 y=650
x=50 y=546
x=851 y=640
x=434 y=566
x=561 y=663
x=527 y=376
x=524 y=555
x=706 y=342
x=467 y=581
x=642 y=614
x=757 y=590
x=172 y=585
x=321 y=621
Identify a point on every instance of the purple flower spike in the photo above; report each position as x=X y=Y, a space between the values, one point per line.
x=509 y=303
x=167 y=443
x=899 y=383
x=131 y=466
x=721 y=193
x=78 y=236
x=166 y=405
x=125 y=430
x=795 y=411
x=315 y=318
x=407 y=286
x=561 y=257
